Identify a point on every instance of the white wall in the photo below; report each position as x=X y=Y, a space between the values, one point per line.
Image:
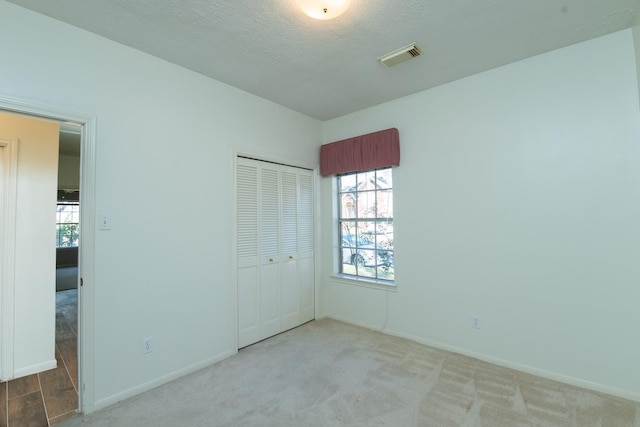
x=636 y=41
x=516 y=200
x=35 y=251
x=164 y=142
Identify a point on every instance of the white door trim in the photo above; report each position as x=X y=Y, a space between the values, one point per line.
x=7 y=262
x=86 y=261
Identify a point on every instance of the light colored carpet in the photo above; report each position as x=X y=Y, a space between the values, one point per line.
x=327 y=373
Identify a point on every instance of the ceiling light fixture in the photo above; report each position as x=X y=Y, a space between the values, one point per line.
x=323 y=9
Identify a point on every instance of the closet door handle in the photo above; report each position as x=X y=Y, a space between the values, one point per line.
x=270 y=259
x=290 y=256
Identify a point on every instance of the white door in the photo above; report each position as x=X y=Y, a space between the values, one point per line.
x=305 y=247
x=248 y=275
x=290 y=294
x=32 y=293
x=274 y=249
x=269 y=223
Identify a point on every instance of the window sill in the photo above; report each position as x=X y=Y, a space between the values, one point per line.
x=367 y=283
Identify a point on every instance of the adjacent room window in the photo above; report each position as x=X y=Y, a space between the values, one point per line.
x=365 y=222
x=67 y=222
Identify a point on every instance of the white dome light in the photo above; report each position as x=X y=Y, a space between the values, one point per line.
x=323 y=9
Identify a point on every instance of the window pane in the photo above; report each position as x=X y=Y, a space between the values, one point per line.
x=348 y=247
x=384 y=235
x=348 y=267
x=367 y=204
x=367 y=257
x=384 y=203
x=385 y=258
x=348 y=233
x=385 y=179
x=366 y=181
x=366 y=271
x=348 y=205
x=367 y=230
x=385 y=269
x=347 y=183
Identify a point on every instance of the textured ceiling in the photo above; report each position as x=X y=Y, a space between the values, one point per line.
x=328 y=68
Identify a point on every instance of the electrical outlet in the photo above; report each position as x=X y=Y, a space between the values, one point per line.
x=475 y=322
x=147 y=345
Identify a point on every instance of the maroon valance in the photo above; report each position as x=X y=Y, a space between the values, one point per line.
x=371 y=151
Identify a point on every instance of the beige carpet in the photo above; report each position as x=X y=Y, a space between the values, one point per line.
x=327 y=373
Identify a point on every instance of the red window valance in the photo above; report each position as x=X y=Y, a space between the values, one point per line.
x=371 y=151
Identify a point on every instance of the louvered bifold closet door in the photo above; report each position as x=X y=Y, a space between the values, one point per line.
x=305 y=246
x=248 y=275
x=275 y=249
x=290 y=284
x=270 y=309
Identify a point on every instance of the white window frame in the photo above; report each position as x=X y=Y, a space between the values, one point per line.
x=339 y=248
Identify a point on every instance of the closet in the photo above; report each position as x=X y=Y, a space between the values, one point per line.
x=275 y=245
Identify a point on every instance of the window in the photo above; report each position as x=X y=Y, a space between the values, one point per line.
x=365 y=222
x=67 y=223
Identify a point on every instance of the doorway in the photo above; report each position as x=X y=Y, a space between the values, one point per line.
x=44 y=348
x=82 y=303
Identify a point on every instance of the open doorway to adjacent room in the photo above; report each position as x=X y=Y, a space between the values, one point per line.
x=49 y=393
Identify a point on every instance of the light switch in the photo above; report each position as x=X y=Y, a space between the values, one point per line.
x=105 y=222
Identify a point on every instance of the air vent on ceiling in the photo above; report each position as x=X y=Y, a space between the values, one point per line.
x=400 y=55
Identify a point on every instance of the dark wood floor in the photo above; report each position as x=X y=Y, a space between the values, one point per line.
x=42 y=399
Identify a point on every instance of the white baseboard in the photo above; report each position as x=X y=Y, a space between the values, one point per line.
x=118 y=397
x=577 y=382
x=34 y=369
